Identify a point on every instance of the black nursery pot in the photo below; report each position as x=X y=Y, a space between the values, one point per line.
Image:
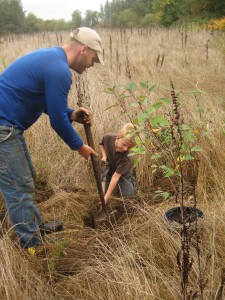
x=190 y=214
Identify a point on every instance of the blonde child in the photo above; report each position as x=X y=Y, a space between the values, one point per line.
x=116 y=164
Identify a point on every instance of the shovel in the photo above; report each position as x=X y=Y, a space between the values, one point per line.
x=101 y=217
x=95 y=164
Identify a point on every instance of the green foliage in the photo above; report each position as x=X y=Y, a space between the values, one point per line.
x=129 y=13
x=127 y=18
x=76 y=18
x=11 y=16
x=161 y=134
x=91 y=18
x=166 y=11
x=33 y=24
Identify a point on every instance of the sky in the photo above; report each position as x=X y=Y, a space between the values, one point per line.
x=59 y=9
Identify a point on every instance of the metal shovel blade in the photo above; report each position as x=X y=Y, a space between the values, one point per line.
x=104 y=219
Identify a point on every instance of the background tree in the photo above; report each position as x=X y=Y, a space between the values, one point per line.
x=127 y=18
x=76 y=19
x=166 y=11
x=33 y=24
x=91 y=18
x=11 y=16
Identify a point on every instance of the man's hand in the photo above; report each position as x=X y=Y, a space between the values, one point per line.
x=85 y=151
x=82 y=115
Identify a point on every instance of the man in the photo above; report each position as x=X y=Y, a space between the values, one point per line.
x=35 y=83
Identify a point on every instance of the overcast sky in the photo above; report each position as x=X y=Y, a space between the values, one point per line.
x=59 y=9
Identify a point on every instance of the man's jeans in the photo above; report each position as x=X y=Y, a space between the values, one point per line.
x=17 y=176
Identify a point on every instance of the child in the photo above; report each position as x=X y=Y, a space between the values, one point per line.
x=116 y=164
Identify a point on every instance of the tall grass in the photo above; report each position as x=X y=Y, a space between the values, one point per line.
x=137 y=258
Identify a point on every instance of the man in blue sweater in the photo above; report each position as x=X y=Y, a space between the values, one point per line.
x=37 y=83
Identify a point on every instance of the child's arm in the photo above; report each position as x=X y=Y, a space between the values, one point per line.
x=113 y=182
x=103 y=152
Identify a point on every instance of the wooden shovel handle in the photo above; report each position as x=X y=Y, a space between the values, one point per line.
x=95 y=164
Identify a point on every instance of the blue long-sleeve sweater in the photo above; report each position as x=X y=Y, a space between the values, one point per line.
x=35 y=83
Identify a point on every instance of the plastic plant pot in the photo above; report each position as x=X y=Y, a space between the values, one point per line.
x=173 y=216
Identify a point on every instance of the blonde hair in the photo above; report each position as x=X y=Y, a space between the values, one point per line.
x=128 y=135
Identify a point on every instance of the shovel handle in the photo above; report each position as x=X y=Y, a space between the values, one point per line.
x=95 y=164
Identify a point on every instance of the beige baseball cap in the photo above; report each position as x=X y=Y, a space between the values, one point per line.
x=89 y=37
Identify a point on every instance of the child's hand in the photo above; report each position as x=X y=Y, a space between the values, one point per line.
x=104 y=159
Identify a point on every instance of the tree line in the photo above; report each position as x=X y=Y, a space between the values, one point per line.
x=130 y=13
x=114 y=14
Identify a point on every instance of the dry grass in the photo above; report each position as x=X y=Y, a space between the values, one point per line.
x=137 y=258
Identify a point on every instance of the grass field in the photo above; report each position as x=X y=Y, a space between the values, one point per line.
x=139 y=257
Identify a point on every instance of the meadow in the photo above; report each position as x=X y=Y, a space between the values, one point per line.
x=141 y=256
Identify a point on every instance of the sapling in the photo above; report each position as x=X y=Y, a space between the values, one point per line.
x=170 y=144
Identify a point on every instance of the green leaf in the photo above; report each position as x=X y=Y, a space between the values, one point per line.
x=177 y=172
x=150 y=110
x=188 y=157
x=134 y=104
x=111 y=90
x=169 y=171
x=189 y=135
x=148 y=141
x=185 y=127
x=142 y=118
x=165 y=100
x=144 y=85
x=135 y=121
x=138 y=150
x=111 y=106
x=136 y=161
x=143 y=100
x=157 y=105
x=152 y=87
x=159 y=120
x=138 y=141
x=154 y=166
x=131 y=87
x=197 y=92
x=123 y=95
x=155 y=156
x=158 y=192
x=196 y=148
x=165 y=195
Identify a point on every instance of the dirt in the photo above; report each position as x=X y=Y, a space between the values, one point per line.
x=42 y=191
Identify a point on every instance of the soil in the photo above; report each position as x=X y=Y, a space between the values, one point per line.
x=42 y=191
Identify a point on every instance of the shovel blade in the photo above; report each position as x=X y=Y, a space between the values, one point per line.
x=104 y=219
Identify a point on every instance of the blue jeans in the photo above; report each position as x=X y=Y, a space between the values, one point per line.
x=17 y=177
